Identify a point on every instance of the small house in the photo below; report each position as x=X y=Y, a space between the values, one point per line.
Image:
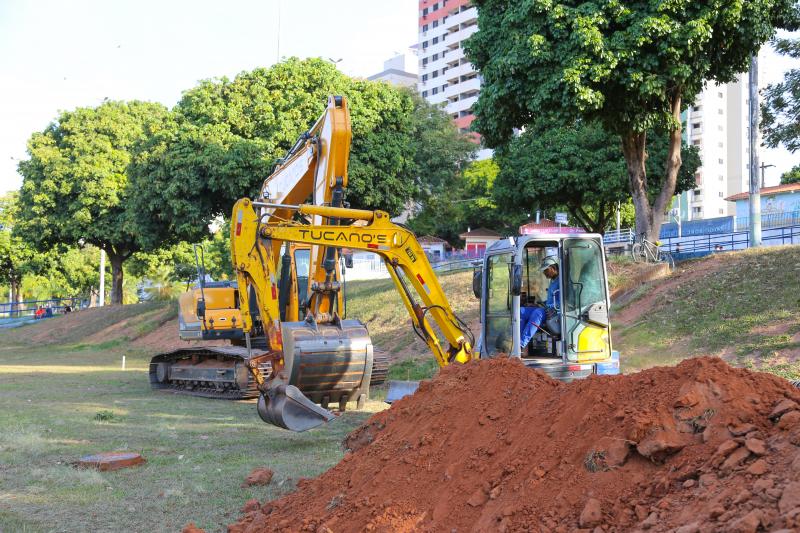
x=477 y=240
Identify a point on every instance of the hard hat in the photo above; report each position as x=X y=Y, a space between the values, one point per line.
x=547 y=262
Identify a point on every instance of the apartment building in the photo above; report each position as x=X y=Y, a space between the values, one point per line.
x=718 y=124
x=445 y=74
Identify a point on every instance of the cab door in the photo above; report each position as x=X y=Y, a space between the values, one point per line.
x=497 y=305
x=585 y=301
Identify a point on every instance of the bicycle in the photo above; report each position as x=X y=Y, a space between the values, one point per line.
x=644 y=251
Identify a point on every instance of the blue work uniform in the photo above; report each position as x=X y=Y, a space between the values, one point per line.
x=532 y=318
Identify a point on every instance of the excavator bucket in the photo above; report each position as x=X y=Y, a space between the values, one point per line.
x=285 y=406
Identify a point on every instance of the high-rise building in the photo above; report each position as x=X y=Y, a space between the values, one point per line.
x=446 y=75
x=718 y=124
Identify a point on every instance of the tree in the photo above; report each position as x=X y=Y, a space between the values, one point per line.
x=75 y=188
x=631 y=66
x=15 y=254
x=227 y=135
x=781 y=105
x=578 y=168
x=465 y=201
x=792 y=176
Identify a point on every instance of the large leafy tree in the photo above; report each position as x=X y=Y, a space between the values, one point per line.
x=578 y=168
x=791 y=176
x=75 y=188
x=631 y=66
x=227 y=134
x=465 y=201
x=781 y=107
x=15 y=254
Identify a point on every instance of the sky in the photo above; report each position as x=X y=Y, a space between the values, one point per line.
x=58 y=54
x=62 y=54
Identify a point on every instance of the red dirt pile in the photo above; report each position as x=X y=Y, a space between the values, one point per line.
x=494 y=446
x=259 y=476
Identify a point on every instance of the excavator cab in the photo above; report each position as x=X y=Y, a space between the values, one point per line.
x=556 y=324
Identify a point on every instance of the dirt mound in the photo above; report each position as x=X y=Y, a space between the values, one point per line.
x=494 y=446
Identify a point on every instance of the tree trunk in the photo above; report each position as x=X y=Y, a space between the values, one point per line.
x=16 y=296
x=672 y=167
x=633 y=148
x=116 y=277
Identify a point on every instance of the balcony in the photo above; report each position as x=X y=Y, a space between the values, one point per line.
x=470 y=16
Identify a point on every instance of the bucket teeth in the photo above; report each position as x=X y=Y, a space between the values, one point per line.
x=285 y=406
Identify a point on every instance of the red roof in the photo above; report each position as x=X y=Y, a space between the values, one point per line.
x=766 y=191
x=543 y=223
x=480 y=232
x=430 y=239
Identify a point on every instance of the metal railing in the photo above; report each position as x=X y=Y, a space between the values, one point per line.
x=771 y=220
x=624 y=235
x=28 y=308
x=738 y=240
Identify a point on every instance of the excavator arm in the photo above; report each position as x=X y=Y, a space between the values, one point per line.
x=405 y=261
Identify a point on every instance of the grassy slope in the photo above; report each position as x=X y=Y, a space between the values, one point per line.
x=746 y=309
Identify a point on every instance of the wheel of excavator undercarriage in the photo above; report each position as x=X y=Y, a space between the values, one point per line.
x=362 y=400
x=162 y=372
x=326 y=400
x=342 y=404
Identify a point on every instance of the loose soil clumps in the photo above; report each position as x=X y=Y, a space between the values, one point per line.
x=495 y=446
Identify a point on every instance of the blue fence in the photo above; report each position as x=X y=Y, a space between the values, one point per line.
x=28 y=308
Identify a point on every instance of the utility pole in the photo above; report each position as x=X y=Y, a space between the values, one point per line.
x=101 y=297
x=763 y=167
x=755 y=191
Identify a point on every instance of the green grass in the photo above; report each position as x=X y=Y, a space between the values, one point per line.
x=414 y=369
x=723 y=313
x=58 y=404
x=378 y=304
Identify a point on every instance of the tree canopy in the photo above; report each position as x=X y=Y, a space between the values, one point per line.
x=465 y=202
x=578 y=168
x=791 y=176
x=781 y=107
x=15 y=253
x=227 y=134
x=630 y=66
x=75 y=188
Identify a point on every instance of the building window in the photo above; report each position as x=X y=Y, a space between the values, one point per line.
x=698 y=192
x=720 y=111
x=424 y=27
x=719 y=144
x=696 y=125
x=720 y=128
x=435 y=57
x=435 y=90
x=435 y=23
x=436 y=75
x=721 y=212
x=720 y=94
x=435 y=6
x=424 y=78
x=424 y=94
x=720 y=194
x=424 y=61
x=721 y=177
x=425 y=12
x=424 y=44
x=720 y=161
x=697 y=210
x=696 y=142
x=435 y=40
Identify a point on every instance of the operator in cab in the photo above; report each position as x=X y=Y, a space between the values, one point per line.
x=532 y=318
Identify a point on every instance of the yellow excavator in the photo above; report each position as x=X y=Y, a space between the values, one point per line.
x=211 y=310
